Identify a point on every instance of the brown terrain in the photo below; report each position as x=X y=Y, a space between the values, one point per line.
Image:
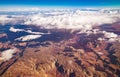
x=78 y=56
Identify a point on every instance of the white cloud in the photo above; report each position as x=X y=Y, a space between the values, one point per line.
x=7 y=54
x=28 y=37
x=109 y=36
x=19 y=9
x=5 y=19
x=71 y=20
x=12 y=29
x=67 y=19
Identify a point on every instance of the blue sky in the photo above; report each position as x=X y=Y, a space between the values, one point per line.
x=66 y=3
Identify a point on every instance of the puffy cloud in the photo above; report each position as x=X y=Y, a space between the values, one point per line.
x=109 y=36
x=7 y=54
x=28 y=37
x=67 y=19
x=11 y=19
x=4 y=19
x=71 y=20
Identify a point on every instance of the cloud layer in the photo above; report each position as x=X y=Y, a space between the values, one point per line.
x=11 y=19
x=82 y=20
x=70 y=20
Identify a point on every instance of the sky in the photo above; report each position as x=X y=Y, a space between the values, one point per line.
x=62 y=3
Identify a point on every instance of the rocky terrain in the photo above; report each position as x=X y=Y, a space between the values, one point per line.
x=60 y=43
x=78 y=55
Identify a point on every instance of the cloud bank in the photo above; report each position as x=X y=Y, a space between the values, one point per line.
x=83 y=20
x=11 y=19
x=71 y=20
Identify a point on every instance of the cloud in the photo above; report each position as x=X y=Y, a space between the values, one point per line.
x=28 y=37
x=19 y=9
x=29 y=31
x=68 y=19
x=7 y=54
x=71 y=20
x=34 y=35
x=109 y=36
x=12 y=29
x=11 y=19
x=84 y=21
